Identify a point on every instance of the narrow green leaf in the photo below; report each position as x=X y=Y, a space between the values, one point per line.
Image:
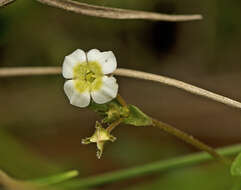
x=236 y=166
x=58 y=178
x=151 y=168
x=137 y=117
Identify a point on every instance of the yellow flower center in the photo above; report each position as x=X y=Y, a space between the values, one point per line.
x=88 y=76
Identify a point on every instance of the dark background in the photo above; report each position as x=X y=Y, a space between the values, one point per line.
x=40 y=132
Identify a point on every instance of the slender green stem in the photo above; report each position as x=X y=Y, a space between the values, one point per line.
x=121 y=100
x=177 y=133
x=117 y=122
x=114 y=125
x=188 y=139
x=148 y=169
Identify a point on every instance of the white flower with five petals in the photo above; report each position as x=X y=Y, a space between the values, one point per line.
x=88 y=77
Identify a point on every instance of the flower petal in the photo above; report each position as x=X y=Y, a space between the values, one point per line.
x=75 y=97
x=107 y=92
x=77 y=57
x=106 y=59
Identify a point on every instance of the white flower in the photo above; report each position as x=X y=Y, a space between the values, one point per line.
x=88 y=77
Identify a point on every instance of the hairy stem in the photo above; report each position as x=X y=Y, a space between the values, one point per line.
x=115 y=13
x=178 y=84
x=188 y=139
x=109 y=12
x=5 y=2
x=148 y=169
x=27 y=71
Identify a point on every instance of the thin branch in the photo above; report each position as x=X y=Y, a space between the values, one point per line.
x=188 y=139
x=115 y=13
x=5 y=2
x=178 y=84
x=148 y=169
x=108 y=12
x=27 y=71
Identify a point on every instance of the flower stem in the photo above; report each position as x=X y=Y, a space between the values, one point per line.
x=114 y=125
x=188 y=139
x=176 y=132
x=121 y=100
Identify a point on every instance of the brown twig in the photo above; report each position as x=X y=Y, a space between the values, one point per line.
x=5 y=2
x=115 y=13
x=27 y=71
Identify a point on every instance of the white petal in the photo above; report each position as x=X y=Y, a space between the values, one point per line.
x=77 y=57
x=107 y=92
x=75 y=97
x=106 y=59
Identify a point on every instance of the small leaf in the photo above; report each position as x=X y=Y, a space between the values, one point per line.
x=110 y=111
x=137 y=117
x=236 y=166
x=99 y=107
x=58 y=178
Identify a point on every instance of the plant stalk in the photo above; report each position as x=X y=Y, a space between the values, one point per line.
x=189 y=139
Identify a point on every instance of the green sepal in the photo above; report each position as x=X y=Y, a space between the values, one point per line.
x=110 y=111
x=99 y=108
x=236 y=166
x=137 y=117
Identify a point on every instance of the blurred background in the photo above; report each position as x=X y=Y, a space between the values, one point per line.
x=40 y=132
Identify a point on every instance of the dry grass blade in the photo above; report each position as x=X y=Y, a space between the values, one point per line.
x=5 y=2
x=115 y=13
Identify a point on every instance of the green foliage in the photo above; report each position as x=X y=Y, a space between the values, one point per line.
x=236 y=166
x=112 y=111
x=13 y=153
x=99 y=108
x=217 y=176
x=55 y=179
x=210 y=177
x=137 y=117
